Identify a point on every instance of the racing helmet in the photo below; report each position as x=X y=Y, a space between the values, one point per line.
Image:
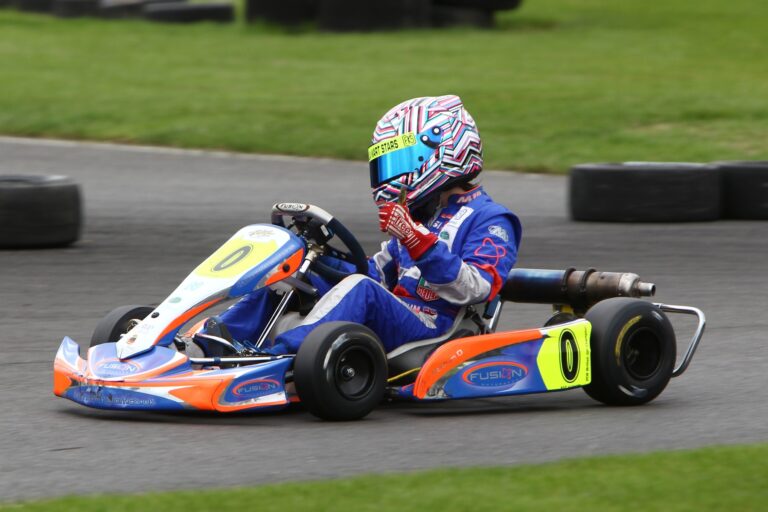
x=423 y=145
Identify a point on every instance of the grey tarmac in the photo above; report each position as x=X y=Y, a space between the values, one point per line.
x=152 y=214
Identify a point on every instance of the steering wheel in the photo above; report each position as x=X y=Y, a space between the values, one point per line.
x=325 y=228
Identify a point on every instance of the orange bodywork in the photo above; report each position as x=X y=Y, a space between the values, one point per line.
x=456 y=352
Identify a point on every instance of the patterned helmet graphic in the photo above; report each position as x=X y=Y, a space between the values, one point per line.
x=422 y=145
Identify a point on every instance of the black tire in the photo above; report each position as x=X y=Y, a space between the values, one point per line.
x=34 y=5
x=113 y=9
x=285 y=12
x=486 y=5
x=38 y=211
x=340 y=371
x=75 y=8
x=356 y=15
x=745 y=190
x=645 y=192
x=643 y=337
x=449 y=16
x=117 y=322
x=180 y=12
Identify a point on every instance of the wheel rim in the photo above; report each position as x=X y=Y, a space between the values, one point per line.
x=642 y=354
x=353 y=373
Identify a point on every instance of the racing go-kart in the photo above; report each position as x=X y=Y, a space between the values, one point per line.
x=602 y=337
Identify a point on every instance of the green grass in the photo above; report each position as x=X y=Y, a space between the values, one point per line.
x=711 y=479
x=557 y=83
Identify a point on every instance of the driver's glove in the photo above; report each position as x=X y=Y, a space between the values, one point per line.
x=396 y=220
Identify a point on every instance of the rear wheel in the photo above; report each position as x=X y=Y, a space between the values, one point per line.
x=633 y=351
x=340 y=371
x=117 y=322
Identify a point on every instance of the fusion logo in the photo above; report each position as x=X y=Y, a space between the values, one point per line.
x=569 y=356
x=496 y=374
x=117 y=367
x=255 y=388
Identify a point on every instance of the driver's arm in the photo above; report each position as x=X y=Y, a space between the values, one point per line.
x=476 y=272
x=382 y=266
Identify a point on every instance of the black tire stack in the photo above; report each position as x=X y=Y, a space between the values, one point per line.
x=39 y=211
x=744 y=190
x=668 y=191
x=286 y=12
x=182 y=12
x=75 y=8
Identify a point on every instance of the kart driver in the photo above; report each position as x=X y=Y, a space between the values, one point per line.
x=450 y=244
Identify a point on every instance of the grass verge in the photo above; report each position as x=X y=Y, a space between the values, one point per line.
x=557 y=83
x=710 y=479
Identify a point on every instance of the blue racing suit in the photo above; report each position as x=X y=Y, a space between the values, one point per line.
x=400 y=299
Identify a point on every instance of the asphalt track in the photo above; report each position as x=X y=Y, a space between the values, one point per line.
x=152 y=215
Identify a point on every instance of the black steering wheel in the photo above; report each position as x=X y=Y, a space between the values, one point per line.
x=321 y=226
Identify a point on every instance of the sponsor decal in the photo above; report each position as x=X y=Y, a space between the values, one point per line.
x=468 y=198
x=174 y=300
x=456 y=355
x=255 y=388
x=496 y=374
x=292 y=207
x=117 y=367
x=491 y=251
x=463 y=212
x=499 y=232
x=392 y=144
x=569 y=356
x=445 y=235
x=425 y=292
x=193 y=286
x=260 y=234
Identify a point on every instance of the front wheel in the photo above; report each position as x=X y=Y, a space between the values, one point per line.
x=340 y=371
x=117 y=322
x=633 y=351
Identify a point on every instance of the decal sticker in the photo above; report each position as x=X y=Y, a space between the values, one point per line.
x=232 y=259
x=564 y=358
x=490 y=251
x=569 y=356
x=496 y=374
x=116 y=368
x=468 y=198
x=292 y=207
x=392 y=144
x=255 y=388
x=445 y=235
x=499 y=232
x=235 y=257
x=453 y=225
x=425 y=292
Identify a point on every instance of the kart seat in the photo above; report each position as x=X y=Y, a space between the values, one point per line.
x=409 y=357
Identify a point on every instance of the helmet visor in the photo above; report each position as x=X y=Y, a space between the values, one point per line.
x=396 y=156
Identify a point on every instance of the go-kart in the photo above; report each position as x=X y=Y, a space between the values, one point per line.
x=620 y=349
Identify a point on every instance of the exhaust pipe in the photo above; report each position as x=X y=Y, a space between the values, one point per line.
x=579 y=289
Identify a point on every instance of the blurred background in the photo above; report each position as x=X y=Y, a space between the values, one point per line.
x=221 y=110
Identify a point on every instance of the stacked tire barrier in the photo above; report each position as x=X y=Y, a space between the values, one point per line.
x=39 y=211
x=331 y=15
x=668 y=191
x=357 y=15
x=182 y=12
